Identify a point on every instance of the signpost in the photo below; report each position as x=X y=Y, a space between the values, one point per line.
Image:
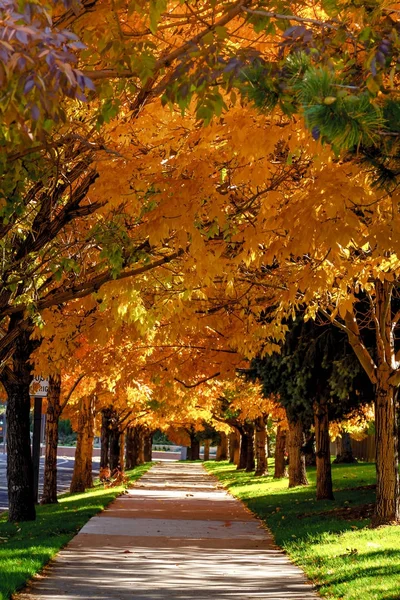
x=39 y=388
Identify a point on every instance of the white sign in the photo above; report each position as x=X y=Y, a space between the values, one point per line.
x=39 y=387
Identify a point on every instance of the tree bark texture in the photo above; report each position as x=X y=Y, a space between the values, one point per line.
x=297 y=463
x=261 y=440
x=207 y=444
x=222 y=448
x=280 y=450
x=19 y=459
x=82 y=477
x=52 y=419
x=323 y=454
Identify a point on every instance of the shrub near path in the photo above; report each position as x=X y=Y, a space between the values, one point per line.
x=330 y=540
x=26 y=547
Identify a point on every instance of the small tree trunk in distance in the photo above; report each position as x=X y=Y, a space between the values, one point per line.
x=82 y=477
x=344 y=450
x=244 y=442
x=230 y=447
x=19 y=459
x=52 y=419
x=309 y=451
x=106 y=414
x=261 y=439
x=129 y=448
x=251 y=459
x=207 y=444
x=141 y=444
x=297 y=463
x=222 y=448
x=122 y=451
x=147 y=446
x=323 y=454
x=236 y=449
x=280 y=449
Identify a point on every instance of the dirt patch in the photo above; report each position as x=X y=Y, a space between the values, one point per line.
x=347 y=513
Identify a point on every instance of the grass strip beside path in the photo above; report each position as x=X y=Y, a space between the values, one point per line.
x=26 y=547
x=330 y=540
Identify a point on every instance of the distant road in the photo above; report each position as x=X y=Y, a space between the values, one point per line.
x=65 y=467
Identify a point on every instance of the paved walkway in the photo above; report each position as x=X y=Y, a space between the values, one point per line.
x=176 y=535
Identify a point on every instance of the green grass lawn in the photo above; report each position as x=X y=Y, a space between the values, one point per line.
x=330 y=540
x=26 y=547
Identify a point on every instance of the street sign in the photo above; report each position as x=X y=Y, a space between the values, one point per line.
x=39 y=387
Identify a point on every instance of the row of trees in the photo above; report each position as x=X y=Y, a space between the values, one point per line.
x=136 y=239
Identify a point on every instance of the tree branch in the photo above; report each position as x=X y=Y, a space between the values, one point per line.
x=71 y=391
x=296 y=19
x=193 y=385
x=61 y=296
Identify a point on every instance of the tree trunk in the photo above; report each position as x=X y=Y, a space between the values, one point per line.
x=52 y=419
x=250 y=459
x=234 y=446
x=222 y=448
x=344 y=450
x=323 y=454
x=194 y=451
x=19 y=459
x=207 y=444
x=261 y=440
x=115 y=449
x=134 y=445
x=82 y=477
x=280 y=449
x=380 y=371
x=147 y=446
x=106 y=415
x=387 y=509
x=297 y=463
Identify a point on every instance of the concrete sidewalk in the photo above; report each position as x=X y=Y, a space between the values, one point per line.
x=176 y=535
